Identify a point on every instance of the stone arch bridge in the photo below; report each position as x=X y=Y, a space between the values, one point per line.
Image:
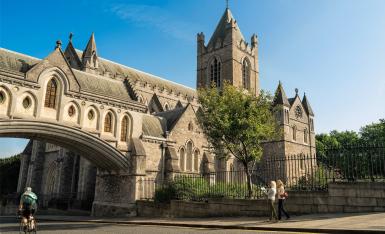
x=127 y=123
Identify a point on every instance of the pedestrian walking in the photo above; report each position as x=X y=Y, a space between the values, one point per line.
x=282 y=195
x=271 y=200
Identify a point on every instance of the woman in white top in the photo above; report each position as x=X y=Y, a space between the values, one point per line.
x=281 y=199
x=271 y=199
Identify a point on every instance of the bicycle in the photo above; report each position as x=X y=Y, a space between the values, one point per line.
x=28 y=227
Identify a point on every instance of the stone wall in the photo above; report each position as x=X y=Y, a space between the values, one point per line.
x=341 y=197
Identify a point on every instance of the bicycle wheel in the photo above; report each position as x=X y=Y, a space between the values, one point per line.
x=35 y=226
x=21 y=227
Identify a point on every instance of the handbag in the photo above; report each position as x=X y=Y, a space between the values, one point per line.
x=285 y=195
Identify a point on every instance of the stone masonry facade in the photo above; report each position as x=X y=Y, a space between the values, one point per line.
x=144 y=121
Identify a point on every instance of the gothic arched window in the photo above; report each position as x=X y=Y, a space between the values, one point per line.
x=189 y=158
x=246 y=74
x=215 y=72
x=294 y=133
x=196 y=160
x=124 y=129
x=50 y=94
x=181 y=159
x=166 y=107
x=71 y=111
x=305 y=135
x=108 y=122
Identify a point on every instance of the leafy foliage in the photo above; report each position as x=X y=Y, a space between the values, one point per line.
x=353 y=155
x=237 y=123
x=9 y=174
x=198 y=188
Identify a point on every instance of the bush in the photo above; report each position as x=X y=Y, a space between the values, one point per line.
x=319 y=179
x=198 y=189
x=9 y=174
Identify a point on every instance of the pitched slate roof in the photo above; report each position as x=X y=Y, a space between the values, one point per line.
x=90 y=83
x=291 y=100
x=102 y=86
x=153 y=126
x=97 y=84
x=137 y=75
x=15 y=61
x=280 y=97
x=223 y=26
x=307 y=106
x=172 y=116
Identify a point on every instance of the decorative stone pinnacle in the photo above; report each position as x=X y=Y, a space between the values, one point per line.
x=70 y=37
x=296 y=91
x=58 y=44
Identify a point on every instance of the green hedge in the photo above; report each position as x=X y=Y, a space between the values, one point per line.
x=9 y=174
x=197 y=189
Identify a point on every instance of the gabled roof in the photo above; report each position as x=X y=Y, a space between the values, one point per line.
x=280 y=97
x=153 y=126
x=172 y=116
x=136 y=75
x=89 y=83
x=179 y=104
x=90 y=48
x=72 y=56
x=14 y=61
x=155 y=104
x=307 y=106
x=224 y=24
x=291 y=100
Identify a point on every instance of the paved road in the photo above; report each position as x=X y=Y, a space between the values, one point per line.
x=10 y=226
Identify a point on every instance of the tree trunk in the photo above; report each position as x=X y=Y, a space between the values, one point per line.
x=248 y=178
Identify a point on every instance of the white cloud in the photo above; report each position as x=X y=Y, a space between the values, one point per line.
x=156 y=17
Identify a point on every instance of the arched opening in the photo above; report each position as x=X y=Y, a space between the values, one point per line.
x=166 y=107
x=246 y=74
x=305 y=135
x=182 y=159
x=189 y=158
x=108 y=122
x=190 y=126
x=50 y=94
x=2 y=97
x=294 y=133
x=196 y=160
x=71 y=111
x=5 y=100
x=124 y=129
x=215 y=72
x=53 y=164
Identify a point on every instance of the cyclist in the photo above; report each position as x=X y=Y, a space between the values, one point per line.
x=28 y=205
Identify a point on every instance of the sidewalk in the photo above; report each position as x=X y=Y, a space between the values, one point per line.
x=320 y=223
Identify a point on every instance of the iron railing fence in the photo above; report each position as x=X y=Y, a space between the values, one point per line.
x=298 y=172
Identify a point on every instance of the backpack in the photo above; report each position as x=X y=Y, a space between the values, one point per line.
x=28 y=201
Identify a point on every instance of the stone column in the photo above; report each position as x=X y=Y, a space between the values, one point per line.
x=24 y=163
x=86 y=184
x=116 y=192
x=36 y=167
x=114 y=195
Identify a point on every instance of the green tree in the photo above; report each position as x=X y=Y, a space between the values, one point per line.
x=9 y=174
x=373 y=133
x=237 y=123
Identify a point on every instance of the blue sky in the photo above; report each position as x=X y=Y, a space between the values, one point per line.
x=332 y=50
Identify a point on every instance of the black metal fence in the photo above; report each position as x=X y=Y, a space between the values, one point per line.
x=298 y=172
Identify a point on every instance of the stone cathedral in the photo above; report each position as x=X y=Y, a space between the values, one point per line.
x=150 y=120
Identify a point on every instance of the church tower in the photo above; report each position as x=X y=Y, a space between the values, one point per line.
x=228 y=57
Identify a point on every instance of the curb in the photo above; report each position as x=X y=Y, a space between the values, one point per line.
x=217 y=226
